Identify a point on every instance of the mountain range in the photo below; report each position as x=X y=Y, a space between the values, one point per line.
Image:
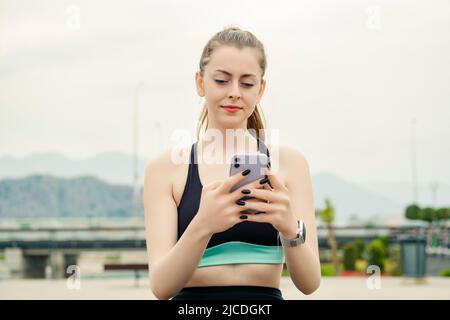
x=55 y=185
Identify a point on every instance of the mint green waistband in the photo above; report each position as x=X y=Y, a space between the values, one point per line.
x=241 y=252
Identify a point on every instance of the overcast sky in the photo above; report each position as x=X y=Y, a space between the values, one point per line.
x=344 y=79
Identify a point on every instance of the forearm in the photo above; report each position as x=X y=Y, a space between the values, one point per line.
x=304 y=267
x=171 y=273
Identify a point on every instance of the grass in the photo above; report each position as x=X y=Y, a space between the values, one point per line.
x=445 y=272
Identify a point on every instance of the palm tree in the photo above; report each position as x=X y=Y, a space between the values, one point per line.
x=327 y=215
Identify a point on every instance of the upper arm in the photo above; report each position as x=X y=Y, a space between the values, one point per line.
x=160 y=208
x=299 y=185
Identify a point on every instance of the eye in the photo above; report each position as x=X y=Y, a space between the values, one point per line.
x=249 y=85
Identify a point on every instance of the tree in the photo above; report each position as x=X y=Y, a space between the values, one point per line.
x=427 y=214
x=442 y=214
x=412 y=212
x=327 y=215
x=431 y=215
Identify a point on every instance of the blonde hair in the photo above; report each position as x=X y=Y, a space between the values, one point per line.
x=238 y=38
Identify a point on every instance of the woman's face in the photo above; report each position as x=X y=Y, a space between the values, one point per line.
x=232 y=77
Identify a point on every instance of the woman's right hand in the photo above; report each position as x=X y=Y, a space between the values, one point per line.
x=219 y=209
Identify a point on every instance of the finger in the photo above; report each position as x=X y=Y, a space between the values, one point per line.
x=262 y=194
x=232 y=180
x=237 y=194
x=258 y=217
x=257 y=206
x=253 y=199
x=247 y=198
x=242 y=216
x=274 y=180
x=267 y=186
x=213 y=185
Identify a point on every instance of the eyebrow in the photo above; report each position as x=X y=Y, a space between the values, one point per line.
x=244 y=75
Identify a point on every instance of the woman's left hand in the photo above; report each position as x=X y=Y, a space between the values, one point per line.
x=276 y=208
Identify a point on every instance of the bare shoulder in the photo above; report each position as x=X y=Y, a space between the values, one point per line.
x=288 y=155
x=168 y=170
x=292 y=155
x=168 y=160
x=292 y=163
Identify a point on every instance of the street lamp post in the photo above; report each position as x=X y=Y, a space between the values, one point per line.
x=434 y=185
x=136 y=190
x=414 y=161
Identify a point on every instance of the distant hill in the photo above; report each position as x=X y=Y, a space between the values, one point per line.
x=353 y=201
x=114 y=167
x=48 y=196
x=402 y=191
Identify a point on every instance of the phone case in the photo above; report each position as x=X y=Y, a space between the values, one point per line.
x=256 y=162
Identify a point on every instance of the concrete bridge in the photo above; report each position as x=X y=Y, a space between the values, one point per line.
x=30 y=252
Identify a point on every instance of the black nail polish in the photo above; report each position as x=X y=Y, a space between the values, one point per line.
x=264 y=180
x=246 y=172
x=243 y=217
x=246 y=191
x=240 y=202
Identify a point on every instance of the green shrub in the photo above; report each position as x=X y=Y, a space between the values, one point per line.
x=112 y=258
x=376 y=254
x=385 y=241
x=361 y=265
x=392 y=267
x=349 y=257
x=445 y=272
x=359 y=248
x=327 y=270
x=394 y=261
x=397 y=271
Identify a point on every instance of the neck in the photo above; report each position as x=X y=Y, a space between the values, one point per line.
x=219 y=145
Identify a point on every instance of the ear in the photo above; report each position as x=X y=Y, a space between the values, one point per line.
x=261 y=90
x=199 y=84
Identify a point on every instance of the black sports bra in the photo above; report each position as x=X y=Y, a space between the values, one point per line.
x=245 y=242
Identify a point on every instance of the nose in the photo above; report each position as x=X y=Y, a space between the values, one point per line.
x=235 y=93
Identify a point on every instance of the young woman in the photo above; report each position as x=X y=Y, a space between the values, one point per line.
x=200 y=244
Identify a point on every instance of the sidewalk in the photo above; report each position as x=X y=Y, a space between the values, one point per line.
x=331 y=288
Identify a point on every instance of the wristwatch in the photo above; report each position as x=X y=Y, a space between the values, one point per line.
x=300 y=239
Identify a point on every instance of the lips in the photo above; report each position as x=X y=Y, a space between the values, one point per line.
x=231 y=107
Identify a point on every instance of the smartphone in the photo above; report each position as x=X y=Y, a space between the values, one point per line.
x=256 y=162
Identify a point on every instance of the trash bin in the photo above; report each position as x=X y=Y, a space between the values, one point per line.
x=413 y=256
